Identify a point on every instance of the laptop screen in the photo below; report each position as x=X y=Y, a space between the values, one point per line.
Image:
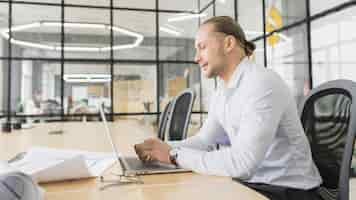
x=110 y=138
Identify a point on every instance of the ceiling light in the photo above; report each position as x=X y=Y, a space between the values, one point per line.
x=85 y=78
x=87 y=49
x=5 y=34
x=30 y=44
x=186 y=17
x=25 y=26
x=169 y=30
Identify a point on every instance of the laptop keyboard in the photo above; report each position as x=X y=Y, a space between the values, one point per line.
x=136 y=164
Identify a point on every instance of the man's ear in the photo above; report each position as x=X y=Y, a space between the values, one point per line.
x=230 y=43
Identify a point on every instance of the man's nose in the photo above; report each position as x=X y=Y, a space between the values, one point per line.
x=197 y=58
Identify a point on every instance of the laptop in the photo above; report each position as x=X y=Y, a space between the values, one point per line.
x=132 y=166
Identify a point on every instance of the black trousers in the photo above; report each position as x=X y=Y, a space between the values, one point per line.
x=283 y=193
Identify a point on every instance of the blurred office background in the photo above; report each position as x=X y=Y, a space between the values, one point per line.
x=60 y=59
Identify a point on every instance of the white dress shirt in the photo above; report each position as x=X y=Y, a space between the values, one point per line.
x=259 y=115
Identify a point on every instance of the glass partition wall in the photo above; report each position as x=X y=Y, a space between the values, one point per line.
x=61 y=59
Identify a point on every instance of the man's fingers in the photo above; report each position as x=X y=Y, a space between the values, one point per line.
x=148 y=158
x=150 y=142
x=143 y=152
x=147 y=151
x=142 y=147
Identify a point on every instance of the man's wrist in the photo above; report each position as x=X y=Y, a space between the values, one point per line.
x=173 y=155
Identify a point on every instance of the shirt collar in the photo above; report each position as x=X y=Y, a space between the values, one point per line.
x=237 y=74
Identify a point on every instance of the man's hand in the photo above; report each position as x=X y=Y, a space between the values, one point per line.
x=153 y=150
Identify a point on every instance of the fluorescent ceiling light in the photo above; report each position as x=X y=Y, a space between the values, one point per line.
x=139 y=37
x=85 y=78
x=170 y=31
x=30 y=44
x=186 y=17
x=25 y=26
x=87 y=49
x=174 y=28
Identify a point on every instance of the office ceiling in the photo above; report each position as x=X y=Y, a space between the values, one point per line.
x=146 y=4
x=142 y=22
x=137 y=21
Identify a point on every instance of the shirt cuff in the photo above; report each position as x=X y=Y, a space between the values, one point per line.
x=189 y=158
x=174 y=144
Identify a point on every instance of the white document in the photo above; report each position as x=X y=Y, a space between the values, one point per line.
x=46 y=164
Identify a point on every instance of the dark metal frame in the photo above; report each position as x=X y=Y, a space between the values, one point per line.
x=156 y=61
x=111 y=60
x=8 y=118
x=310 y=58
x=307 y=20
x=62 y=61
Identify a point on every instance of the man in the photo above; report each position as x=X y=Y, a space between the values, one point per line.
x=268 y=149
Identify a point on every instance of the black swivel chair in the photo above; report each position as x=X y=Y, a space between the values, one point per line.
x=328 y=116
x=163 y=121
x=179 y=118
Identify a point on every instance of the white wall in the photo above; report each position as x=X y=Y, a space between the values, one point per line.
x=250 y=16
x=334 y=44
x=321 y=5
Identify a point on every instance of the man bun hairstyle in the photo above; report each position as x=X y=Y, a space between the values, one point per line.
x=227 y=25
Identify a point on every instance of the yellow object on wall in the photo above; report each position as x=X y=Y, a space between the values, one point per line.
x=273 y=22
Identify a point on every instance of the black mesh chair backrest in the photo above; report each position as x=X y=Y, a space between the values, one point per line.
x=179 y=119
x=163 y=121
x=328 y=118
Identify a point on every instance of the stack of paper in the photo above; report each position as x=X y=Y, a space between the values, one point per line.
x=45 y=164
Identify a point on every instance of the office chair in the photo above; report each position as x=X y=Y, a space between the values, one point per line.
x=162 y=126
x=179 y=118
x=17 y=185
x=329 y=119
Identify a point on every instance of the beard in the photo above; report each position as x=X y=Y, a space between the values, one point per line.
x=215 y=68
x=213 y=71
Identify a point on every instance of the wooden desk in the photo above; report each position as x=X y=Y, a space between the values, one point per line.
x=90 y=136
